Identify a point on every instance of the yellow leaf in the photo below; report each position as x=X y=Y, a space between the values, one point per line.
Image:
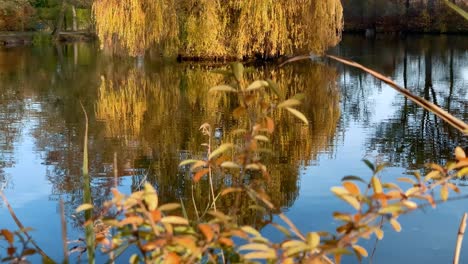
x=222 y=88
x=459 y=153
x=352 y=188
x=188 y=162
x=256 y=85
x=251 y=230
x=379 y=233
x=339 y=191
x=169 y=207
x=150 y=197
x=342 y=217
x=463 y=172
x=362 y=251
x=254 y=247
x=175 y=220
x=271 y=254
x=298 y=114
x=131 y=220
x=84 y=207
x=352 y=201
x=408 y=180
x=410 y=204
x=432 y=175
x=230 y=165
x=198 y=164
x=444 y=192
x=313 y=239
x=289 y=103
x=345 y=195
x=395 y=224
x=262 y=138
x=376 y=185
x=223 y=148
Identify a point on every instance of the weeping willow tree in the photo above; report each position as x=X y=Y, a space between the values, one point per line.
x=214 y=28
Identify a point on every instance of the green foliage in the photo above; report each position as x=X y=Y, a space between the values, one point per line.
x=41 y=39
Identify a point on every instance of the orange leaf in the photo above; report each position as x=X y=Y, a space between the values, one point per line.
x=207 y=231
x=11 y=251
x=156 y=215
x=131 y=220
x=453 y=187
x=172 y=258
x=459 y=153
x=352 y=188
x=238 y=112
x=8 y=235
x=270 y=125
x=391 y=195
x=154 y=245
x=226 y=241
x=199 y=175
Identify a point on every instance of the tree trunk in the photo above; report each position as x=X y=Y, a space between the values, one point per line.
x=59 y=22
x=75 y=26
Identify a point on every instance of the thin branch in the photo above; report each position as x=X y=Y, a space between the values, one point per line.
x=461 y=232
x=23 y=229
x=64 y=232
x=444 y=115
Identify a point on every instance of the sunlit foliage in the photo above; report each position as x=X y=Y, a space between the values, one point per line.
x=207 y=29
x=15 y=14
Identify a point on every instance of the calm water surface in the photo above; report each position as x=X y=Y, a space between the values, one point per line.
x=149 y=114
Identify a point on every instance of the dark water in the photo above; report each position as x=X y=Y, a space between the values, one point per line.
x=150 y=114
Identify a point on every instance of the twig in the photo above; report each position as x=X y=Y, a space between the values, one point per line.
x=23 y=229
x=461 y=232
x=64 y=232
x=444 y=115
x=116 y=171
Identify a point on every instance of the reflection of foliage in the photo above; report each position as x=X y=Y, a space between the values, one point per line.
x=122 y=110
x=150 y=118
x=11 y=115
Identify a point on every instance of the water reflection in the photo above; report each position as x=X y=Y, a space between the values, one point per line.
x=149 y=117
x=431 y=67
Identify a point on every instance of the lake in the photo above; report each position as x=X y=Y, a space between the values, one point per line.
x=147 y=115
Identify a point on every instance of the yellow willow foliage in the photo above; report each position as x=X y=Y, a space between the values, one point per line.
x=135 y=25
x=215 y=28
x=205 y=30
x=122 y=106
